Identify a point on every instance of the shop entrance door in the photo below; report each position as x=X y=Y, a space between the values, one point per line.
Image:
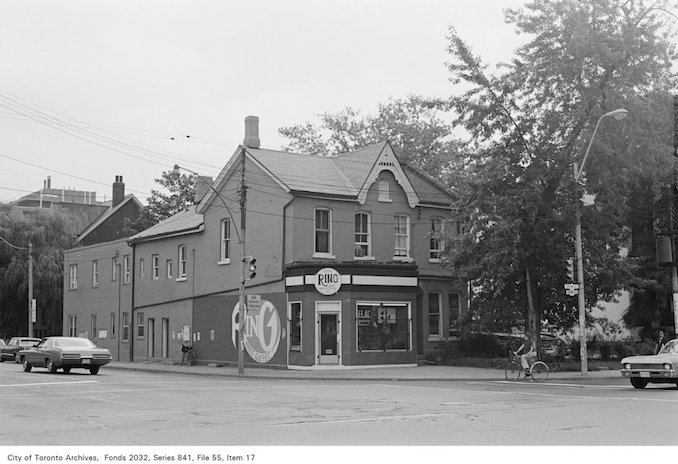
x=328 y=331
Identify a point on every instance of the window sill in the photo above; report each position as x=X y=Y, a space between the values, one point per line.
x=403 y=259
x=224 y=262
x=436 y=338
x=182 y=279
x=324 y=256
x=364 y=258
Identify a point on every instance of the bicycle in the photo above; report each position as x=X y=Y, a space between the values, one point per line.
x=187 y=355
x=539 y=371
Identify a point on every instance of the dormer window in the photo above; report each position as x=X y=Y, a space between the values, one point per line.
x=384 y=190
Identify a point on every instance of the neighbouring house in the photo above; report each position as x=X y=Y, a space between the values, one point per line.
x=103 y=255
x=342 y=260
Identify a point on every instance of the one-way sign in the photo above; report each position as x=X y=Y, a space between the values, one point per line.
x=571 y=289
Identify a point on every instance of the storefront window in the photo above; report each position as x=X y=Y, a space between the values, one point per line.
x=383 y=326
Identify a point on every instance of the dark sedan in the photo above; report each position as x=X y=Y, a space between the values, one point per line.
x=64 y=353
x=8 y=352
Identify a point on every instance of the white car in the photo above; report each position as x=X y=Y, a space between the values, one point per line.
x=658 y=368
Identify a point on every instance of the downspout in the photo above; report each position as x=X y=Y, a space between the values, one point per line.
x=131 y=338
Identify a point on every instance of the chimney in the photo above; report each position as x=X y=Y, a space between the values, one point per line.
x=251 y=132
x=118 y=191
x=202 y=188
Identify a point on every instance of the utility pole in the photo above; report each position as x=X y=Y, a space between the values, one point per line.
x=672 y=209
x=30 y=289
x=241 y=293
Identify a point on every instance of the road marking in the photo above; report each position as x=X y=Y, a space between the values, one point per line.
x=366 y=419
x=40 y=384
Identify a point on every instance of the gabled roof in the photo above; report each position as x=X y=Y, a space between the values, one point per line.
x=184 y=222
x=348 y=176
x=107 y=214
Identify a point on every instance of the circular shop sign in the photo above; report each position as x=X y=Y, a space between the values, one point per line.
x=327 y=281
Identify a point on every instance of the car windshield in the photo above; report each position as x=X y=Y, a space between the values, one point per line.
x=670 y=347
x=76 y=342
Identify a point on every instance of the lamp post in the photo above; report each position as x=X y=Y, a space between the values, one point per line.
x=241 y=241
x=617 y=114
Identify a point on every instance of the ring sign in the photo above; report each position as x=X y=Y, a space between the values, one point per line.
x=327 y=281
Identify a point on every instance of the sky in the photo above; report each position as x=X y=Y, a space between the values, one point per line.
x=93 y=90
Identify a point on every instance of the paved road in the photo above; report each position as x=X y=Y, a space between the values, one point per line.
x=131 y=408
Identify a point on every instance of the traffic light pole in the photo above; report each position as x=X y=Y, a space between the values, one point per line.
x=30 y=289
x=244 y=264
x=580 y=280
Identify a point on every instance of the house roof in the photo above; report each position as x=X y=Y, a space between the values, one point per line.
x=349 y=175
x=107 y=214
x=181 y=223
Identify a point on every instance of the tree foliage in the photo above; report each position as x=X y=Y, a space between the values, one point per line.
x=177 y=195
x=415 y=128
x=529 y=121
x=49 y=236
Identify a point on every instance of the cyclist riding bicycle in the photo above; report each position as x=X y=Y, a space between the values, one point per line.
x=529 y=350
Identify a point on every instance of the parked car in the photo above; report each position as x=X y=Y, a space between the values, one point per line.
x=8 y=352
x=658 y=368
x=64 y=353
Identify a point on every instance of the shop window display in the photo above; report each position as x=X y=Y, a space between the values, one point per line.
x=383 y=327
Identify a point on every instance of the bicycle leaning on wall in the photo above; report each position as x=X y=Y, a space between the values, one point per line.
x=187 y=354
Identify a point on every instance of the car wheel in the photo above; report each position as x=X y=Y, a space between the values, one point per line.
x=638 y=383
x=51 y=367
x=67 y=370
x=27 y=365
x=94 y=370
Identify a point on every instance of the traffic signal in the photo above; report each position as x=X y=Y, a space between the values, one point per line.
x=251 y=267
x=570 y=269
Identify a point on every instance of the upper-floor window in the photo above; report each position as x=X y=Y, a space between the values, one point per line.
x=155 y=263
x=170 y=269
x=225 y=241
x=114 y=268
x=95 y=273
x=73 y=276
x=436 y=240
x=181 y=272
x=401 y=247
x=384 y=190
x=363 y=237
x=142 y=268
x=126 y=269
x=323 y=231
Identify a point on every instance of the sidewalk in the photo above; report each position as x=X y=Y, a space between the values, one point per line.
x=394 y=373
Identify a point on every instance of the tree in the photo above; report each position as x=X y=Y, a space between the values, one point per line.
x=529 y=122
x=48 y=233
x=415 y=128
x=181 y=191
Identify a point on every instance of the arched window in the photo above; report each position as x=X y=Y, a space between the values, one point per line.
x=384 y=190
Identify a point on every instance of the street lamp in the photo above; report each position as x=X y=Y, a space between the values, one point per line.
x=174 y=174
x=617 y=114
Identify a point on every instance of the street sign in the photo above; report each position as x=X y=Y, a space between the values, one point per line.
x=571 y=289
x=253 y=302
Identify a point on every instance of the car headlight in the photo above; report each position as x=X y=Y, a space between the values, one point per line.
x=627 y=366
x=667 y=366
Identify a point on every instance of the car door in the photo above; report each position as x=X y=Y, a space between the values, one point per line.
x=36 y=356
